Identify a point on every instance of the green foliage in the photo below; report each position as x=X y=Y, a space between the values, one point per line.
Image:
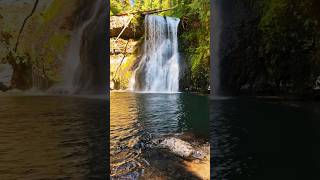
x=290 y=42
x=124 y=6
x=283 y=42
x=195 y=36
x=119 y=6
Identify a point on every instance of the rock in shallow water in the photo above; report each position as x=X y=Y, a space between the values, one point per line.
x=178 y=146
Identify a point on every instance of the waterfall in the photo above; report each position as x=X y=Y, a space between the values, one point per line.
x=70 y=73
x=158 y=69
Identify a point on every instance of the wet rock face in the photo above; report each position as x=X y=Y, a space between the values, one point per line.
x=94 y=57
x=132 y=31
x=227 y=18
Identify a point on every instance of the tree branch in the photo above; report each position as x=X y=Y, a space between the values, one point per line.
x=145 y=12
x=24 y=23
x=125 y=50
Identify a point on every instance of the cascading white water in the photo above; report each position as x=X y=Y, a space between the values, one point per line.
x=158 y=69
x=70 y=82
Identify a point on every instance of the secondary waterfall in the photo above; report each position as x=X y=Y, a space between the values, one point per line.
x=70 y=73
x=158 y=69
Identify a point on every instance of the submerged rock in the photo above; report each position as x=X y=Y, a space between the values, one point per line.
x=177 y=146
x=129 y=176
x=140 y=155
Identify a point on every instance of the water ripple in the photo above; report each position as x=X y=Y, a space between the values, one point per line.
x=44 y=137
x=136 y=115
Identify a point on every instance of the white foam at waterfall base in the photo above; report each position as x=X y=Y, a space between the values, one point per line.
x=158 y=69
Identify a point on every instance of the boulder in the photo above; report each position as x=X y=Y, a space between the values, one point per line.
x=177 y=146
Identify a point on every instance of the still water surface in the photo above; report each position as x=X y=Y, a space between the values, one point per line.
x=264 y=138
x=45 y=137
x=135 y=115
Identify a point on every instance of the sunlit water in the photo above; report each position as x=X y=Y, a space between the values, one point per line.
x=263 y=139
x=135 y=115
x=43 y=137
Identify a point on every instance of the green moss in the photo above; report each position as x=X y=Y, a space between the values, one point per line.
x=53 y=10
x=55 y=45
x=124 y=72
x=58 y=41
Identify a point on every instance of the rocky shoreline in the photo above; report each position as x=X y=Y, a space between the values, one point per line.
x=163 y=156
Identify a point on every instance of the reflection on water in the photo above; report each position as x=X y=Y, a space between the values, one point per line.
x=135 y=115
x=52 y=137
x=264 y=139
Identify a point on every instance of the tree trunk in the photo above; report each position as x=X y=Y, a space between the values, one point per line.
x=145 y=12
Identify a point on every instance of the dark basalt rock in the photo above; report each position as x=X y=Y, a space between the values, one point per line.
x=3 y=87
x=227 y=18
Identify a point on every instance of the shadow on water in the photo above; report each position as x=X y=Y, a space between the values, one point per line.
x=264 y=139
x=167 y=165
x=97 y=114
